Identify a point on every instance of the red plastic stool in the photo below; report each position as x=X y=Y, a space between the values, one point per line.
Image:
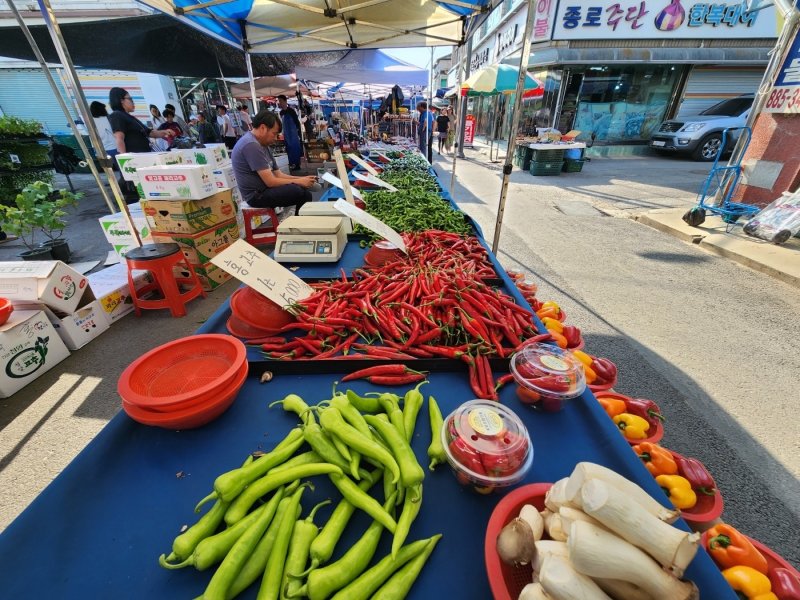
x=263 y=234
x=159 y=260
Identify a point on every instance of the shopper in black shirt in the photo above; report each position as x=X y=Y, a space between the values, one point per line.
x=442 y=126
x=130 y=133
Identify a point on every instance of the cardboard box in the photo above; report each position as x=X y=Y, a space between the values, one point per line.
x=190 y=216
x=177 y=182
x=76 y=329
x=49 y=282
x=200 y=248
x=110 y=287
x=29 y=347
x=130 y=162
x=115 y=227
x=318 y=151
x=214 y=155
x=224 y=177
x=210 y=275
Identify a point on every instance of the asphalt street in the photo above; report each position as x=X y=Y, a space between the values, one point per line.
x=714 y=343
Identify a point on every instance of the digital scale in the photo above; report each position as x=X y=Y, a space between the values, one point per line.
x=325 y=209
x=310 y=239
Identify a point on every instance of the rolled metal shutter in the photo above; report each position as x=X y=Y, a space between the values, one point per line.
x=708 y=85
x=25 y=93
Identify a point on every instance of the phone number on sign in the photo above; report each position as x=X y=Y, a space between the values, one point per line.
x=783 y=99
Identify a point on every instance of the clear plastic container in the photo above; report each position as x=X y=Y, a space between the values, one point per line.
x=487 y=445
x=547 y=376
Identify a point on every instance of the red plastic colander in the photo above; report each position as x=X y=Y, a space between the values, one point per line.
x=256 y=310
x=507 y=581
x=242 y=330
x=182 y=370
x=193 y=416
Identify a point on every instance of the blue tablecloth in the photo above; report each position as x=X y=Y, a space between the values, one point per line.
x=97 y=530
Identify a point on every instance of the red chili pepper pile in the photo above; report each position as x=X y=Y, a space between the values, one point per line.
x=431 y=303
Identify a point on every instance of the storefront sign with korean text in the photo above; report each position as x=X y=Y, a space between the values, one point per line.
x=469 y=130
x=543 y=21
x=785 y=94
x=661 y=19
x=479 y=59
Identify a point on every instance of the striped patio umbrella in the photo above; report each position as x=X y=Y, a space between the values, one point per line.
x=496 y=79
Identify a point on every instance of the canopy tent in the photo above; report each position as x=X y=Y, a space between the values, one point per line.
x=270 y=86
x=153 y=44
x=314 y=25
x=367 y=67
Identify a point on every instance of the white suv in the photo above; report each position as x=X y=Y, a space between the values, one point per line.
x=701 y=135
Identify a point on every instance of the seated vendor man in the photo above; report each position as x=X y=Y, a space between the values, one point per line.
x=260 y=181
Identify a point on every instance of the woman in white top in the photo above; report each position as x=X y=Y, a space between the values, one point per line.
x=100 y=114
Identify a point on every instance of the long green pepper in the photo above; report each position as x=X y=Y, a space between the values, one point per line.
x=232 y=564
x=411 y=474
x=255 y=565
x=273 y=573
x=412 y=403
x=325 y=581
x=185 y=543
x=305 y=531
x=410 y=511
x=363 y=501
x=373 y=578
x=325 y=543
x=400 y=583
x=239 y=508
x=436 y=451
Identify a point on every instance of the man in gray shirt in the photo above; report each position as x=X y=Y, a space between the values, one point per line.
x=260 y=181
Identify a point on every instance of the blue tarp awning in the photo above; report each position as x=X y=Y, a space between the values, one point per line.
x=312 y=25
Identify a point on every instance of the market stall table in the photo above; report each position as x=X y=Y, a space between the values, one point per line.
x=97 y=530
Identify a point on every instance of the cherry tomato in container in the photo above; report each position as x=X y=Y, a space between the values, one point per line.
x=547 y=376
x=487 y=445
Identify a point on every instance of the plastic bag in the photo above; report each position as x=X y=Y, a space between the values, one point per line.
x=778 y=221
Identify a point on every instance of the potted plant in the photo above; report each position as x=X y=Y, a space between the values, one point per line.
x=40 y=209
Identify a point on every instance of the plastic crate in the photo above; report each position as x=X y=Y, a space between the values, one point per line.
x=546 y=168
x=572 y=166
x=548 y=155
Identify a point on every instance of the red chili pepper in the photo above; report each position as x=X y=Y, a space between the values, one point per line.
x=647 y=409
x=785 y=584
x=501 y=381
x=553 y=383
x=379 y=370
x=695 y=471
x=466 y=456
x=397 y=380
x=545 y=337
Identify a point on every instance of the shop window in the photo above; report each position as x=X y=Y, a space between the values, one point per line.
x=619 y=104
x=507 y=6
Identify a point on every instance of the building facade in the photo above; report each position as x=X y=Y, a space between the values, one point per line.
x=615 y=69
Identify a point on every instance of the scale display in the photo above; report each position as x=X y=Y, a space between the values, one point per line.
x=298 y=247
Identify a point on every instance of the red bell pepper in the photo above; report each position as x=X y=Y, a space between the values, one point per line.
x=605 y=369
x=693 y=470
x=647 y=409
x=573 y=335
x=785 y=584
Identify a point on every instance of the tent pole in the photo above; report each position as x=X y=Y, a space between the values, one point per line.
x=461 y=103
x=512 y=133
x=78 y=137
x=252 y=81
x=225 y=84
x=429 y=125
x=462 y=116
x=72 y=75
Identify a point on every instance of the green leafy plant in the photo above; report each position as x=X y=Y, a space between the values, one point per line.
x=38 y=208
x=11 y=127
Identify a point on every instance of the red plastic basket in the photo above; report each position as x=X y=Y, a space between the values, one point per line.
x=256 y=310
x=774 y=560
x=193 y=416
x=656 y=426
x=242 y=330
x=182 y=370
x=707 y=508
x=507 y=581
x=6 y=308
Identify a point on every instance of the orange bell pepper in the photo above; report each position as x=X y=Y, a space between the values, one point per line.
x=729 y=548
x=612 y=406
x=559 y=339
x=591 y=376
x=547 y=312
x=658 y=460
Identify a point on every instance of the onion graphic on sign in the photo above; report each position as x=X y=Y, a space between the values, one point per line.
x=671 y=17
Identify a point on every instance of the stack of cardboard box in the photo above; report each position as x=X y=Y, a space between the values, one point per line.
x=192 y=204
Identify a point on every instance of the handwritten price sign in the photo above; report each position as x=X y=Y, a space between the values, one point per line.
x=260 y=272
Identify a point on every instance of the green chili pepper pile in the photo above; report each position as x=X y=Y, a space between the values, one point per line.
x=355 y=441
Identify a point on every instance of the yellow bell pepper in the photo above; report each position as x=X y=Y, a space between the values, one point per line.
x=749 y=582
x=678 y=489
x=583 y=357
x=633 y=427
x=552 y=304
x=553 y=324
